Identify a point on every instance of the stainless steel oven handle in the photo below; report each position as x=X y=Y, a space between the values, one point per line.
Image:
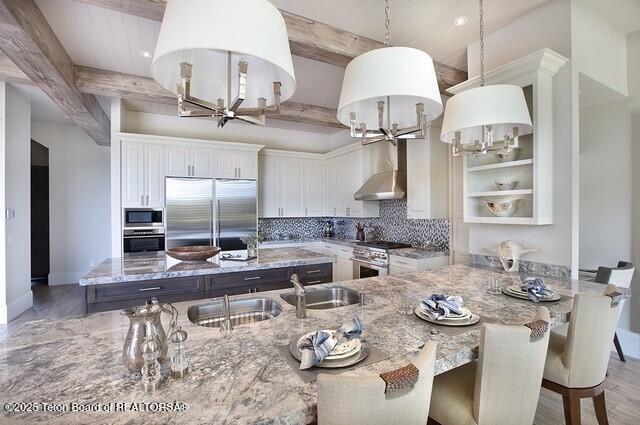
x=143 y=237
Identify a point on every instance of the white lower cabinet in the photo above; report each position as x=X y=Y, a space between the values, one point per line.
x=142 y=175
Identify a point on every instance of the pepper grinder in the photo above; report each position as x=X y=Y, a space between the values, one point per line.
x=151 y=373
x=179 y=362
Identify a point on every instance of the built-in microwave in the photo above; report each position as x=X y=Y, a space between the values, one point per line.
x=143 y=217
x=143 y=240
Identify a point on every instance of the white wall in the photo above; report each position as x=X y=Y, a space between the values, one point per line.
x=79 y=193
x=631 y=314
x=15 y=112
x=271 y=137
x=548 y=26
x=605 y=184
x=598 y=49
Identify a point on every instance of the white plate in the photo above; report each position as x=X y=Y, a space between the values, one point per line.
x=342 y=350
x=466 y=314
x=516 y=292
x=353 y=352
x=470 y=321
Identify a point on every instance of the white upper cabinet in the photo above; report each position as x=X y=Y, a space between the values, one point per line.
x=313 y=187
x=427 y=177
x=346 y=173
x=331 y=184
x=291 y=185
x=235 y=165
x=142 y=175
x=203 y=162
x=177 y=160
x=247 y=164
x=268 y=204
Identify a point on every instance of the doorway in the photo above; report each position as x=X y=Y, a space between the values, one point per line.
x=40 y=265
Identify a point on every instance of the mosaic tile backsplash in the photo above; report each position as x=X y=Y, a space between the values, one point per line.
x=391 y=225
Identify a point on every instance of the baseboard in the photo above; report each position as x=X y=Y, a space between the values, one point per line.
x=19 y=306
x=3 y=314
x=630 y=342
x=64 y=278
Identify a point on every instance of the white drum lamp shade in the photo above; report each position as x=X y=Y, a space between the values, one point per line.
x=502 y=106
x=201 y=32
x=404 y=74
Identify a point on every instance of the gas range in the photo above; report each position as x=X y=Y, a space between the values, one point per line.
x=376 y=253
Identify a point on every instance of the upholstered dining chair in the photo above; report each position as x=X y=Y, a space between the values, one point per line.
x=621 y=277
x=577 y=363
x=503 y=385
x=347 y=400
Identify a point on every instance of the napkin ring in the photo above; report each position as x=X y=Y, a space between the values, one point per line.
x=619 y=295
x=401 y=379
x=538 y=328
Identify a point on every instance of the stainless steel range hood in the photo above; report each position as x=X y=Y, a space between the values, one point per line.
x=389 y=179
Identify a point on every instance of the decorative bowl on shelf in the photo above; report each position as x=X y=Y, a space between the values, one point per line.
x=503 y=208
x=507 y=156
x=506 y=184
x=193 y=253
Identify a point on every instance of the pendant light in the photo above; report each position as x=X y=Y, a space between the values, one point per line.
x=485 y=118
x=389 y=93
x=199 y=43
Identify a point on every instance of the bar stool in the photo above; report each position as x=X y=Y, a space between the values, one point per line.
x=348 y=400
x=621 y=277
x=503 y=386
x=576 y=365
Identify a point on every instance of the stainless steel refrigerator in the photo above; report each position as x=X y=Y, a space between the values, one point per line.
x=209 y=212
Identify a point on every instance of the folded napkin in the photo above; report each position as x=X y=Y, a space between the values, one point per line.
x=439 y=306
x=535 y=289
x=318 y=345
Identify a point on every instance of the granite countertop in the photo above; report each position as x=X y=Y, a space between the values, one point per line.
x=148 y=266
x=244 y=379
x=414 y=253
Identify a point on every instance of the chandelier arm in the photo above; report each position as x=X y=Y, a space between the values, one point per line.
x=259 y=120
x=368 y=133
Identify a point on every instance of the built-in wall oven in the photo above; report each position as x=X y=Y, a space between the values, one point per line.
x=143 y=230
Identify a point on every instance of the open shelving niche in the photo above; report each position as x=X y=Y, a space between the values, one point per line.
x=533 y=168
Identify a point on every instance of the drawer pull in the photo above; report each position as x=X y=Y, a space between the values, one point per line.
x=252 y=278
x=313 y=282
x=155 y=288
x=402 y=262
x=314 y=271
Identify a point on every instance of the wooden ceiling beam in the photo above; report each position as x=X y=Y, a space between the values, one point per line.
x=308 y=38
x=127 y=86
x=30 y=43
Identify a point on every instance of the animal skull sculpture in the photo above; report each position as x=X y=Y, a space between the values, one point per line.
x=509 y=253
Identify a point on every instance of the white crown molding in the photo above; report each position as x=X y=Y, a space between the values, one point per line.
x=150 y=138
x=544 y=60
x=291 y=154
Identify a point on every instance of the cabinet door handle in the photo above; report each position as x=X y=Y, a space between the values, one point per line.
x=402 y=262
x=142 y=200
x=147 y=198
x=155 y=288
x=334 y=211
x=314 y=271
x=239 y=171
x=252 y=278
x=306 y=212
x=313 y=282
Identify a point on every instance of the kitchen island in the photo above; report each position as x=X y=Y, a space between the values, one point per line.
x=127 y=281
x=244 y=378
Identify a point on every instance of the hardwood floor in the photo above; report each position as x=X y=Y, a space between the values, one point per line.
x=50 y=302
x=622 y=388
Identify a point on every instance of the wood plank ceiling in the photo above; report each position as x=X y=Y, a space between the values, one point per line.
x=309 y=39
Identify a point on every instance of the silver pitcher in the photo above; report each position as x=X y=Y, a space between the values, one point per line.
x=143 y=321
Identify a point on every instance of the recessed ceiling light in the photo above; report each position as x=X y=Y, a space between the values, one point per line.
x=460 y=21
x=145 y=54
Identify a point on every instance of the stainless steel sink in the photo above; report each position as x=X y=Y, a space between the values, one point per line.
x=326 y=298
x=242 y=312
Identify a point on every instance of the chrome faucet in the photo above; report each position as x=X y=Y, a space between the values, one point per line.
x=226 y=325
x=301 y=297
